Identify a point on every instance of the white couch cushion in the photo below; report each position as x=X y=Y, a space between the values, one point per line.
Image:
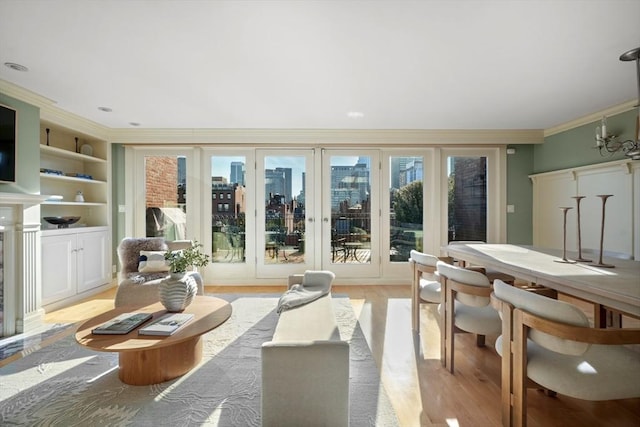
x=310 y=322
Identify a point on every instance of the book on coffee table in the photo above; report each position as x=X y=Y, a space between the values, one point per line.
x=122 y=324
x=168 y=324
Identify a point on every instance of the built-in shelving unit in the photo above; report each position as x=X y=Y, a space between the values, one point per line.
x=76 y=261
x=71 y=153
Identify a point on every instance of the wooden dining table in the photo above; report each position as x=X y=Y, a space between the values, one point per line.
x=616 y=288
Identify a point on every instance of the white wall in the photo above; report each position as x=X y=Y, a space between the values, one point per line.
x=553 y=190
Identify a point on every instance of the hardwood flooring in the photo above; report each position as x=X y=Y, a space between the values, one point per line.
x=422 y=392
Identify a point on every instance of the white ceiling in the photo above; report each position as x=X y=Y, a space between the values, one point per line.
x=305 y=64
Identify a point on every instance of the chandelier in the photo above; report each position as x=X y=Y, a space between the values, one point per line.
x=607 y=143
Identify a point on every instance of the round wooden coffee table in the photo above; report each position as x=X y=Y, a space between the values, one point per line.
x=147 y=359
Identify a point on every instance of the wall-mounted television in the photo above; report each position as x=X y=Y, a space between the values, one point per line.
x=8 y=143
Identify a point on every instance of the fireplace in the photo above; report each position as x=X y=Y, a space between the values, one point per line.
x=20 y=283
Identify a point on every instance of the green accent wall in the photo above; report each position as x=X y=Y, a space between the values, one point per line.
x=520 y=195
x=576 y=147
x=564 y=150
x=117 y=187
x=27 y=149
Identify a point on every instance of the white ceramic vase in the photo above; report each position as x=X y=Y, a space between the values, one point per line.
x=177 y=291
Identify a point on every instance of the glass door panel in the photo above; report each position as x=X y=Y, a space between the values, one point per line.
x=284 y=242
x=165 y=192
x=467 y=198
x=406 y=208
x=228 y=214
x=350 y=213
x=228 y=209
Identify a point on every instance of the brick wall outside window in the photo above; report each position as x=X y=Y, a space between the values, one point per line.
x=161 y=178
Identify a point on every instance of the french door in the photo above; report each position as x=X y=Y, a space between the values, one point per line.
x=265 y=214
x=350 y=212
x=285 y=238
x=317 y=209
x=228 y=205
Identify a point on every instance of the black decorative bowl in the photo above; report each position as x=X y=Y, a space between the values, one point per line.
x=62 y=221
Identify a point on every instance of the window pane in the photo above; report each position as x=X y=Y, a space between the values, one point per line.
x=406 y=216
x=165 y=197
x=284 y=178
x=228 y=217
x=467 y=207
x=350 y=209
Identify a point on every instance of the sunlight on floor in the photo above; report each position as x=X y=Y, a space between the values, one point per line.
x=357 y=305
x=107 y=372
x=79 y=312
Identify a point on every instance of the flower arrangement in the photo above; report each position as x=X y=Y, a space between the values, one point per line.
x=179 y=261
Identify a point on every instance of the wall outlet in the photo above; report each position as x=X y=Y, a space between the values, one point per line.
x=121 y=209
x=511 y=208
x=114 y=268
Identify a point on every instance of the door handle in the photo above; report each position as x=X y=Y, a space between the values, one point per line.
x=310 y=219
x=326 y=220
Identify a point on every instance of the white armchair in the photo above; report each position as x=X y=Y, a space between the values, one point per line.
x=139 y=286
x=467 y=306
x=425 y=284
x=551 y=344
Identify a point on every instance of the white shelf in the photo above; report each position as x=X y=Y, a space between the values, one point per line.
x=53 y=176
x=61 y=155
x=61 y=152
x=63 y=203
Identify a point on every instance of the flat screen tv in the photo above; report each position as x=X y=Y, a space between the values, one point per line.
x=8 y=132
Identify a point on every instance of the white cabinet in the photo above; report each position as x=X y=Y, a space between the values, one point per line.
x=74 y=261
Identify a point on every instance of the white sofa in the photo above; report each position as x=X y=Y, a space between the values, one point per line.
x=305 y=368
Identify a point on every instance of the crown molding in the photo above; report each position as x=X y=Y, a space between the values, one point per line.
x=72 y=121
x=51 y=113
x=326 y=137
x=24 y=95
x=593 y=117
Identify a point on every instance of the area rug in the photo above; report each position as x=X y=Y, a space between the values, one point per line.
x=64 y=384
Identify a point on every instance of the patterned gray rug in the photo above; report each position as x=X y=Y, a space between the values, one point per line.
x=64 y=384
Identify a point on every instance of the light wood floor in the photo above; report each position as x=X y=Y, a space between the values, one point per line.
x=421 y=391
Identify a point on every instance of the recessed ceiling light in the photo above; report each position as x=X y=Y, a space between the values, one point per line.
x=355 y=114
x=134 y=123
x=105 y=109
x=16 y=67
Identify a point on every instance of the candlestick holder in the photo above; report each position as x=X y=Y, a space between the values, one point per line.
x=564 y=259
x=604 y=198
x=580 y=258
